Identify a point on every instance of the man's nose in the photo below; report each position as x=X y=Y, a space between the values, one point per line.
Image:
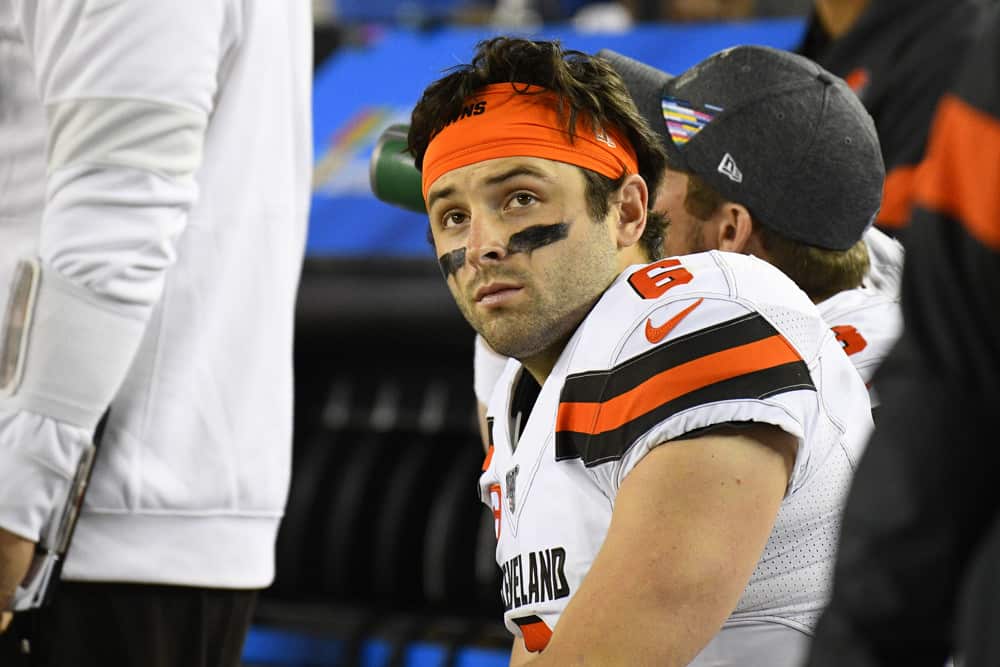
x=487 y=241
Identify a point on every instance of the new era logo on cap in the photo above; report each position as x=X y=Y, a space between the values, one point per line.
x=785 y=118
x=729 y=169
x=684 y=120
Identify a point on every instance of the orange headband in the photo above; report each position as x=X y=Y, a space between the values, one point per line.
x=501 y=122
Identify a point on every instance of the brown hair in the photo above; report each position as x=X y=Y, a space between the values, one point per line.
x=598 y=193
x=585 y=84
x=819 y=272
x=701 y=199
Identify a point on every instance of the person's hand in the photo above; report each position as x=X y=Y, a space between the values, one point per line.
x=15 y=557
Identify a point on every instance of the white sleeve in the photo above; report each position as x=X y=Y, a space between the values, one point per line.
x=886 y=257
x=722 y=363
x=487 y=368
x=747 y=370
x=38 y=458
x=128 y=89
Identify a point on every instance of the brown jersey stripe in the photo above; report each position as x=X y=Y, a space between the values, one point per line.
x=489 y=431
x=596 y=386
x=598 y=448
x=960 y=174
x=611 y=413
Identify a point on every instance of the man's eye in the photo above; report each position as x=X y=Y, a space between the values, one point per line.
x=453 y=218
x=523 y=199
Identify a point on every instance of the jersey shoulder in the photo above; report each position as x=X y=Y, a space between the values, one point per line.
x=885 y=263
x=732 y=297
x=675 y=338
x=868 y=320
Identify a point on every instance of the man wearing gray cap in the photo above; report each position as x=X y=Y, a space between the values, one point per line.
x=771 y=155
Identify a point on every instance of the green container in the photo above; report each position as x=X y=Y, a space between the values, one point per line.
x=394 y=179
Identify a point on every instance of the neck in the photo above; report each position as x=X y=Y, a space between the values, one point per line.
x=837 y=16
x=541 y=364
x=634 y=254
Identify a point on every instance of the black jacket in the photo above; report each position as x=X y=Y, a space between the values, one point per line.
x=918 y=571
x=899 y=57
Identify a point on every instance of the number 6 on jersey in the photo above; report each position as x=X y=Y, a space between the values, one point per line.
x=653 y=281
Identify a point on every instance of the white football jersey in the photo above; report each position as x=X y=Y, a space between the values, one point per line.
x=868 y=320
x=671 y=348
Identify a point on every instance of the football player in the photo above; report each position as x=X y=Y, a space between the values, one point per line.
x=670 y=449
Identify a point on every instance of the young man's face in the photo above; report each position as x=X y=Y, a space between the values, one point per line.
x=521 y=254
x=687 y=233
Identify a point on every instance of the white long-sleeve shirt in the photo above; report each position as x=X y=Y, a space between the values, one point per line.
x=178 y=155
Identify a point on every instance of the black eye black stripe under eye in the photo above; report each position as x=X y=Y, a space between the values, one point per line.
x=451 y=262
x=538 y=236
x=527 y=240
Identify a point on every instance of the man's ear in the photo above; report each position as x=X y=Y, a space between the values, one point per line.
x=631 y=205
x=734 y=229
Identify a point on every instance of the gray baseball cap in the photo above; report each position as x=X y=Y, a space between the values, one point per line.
x=773 y=131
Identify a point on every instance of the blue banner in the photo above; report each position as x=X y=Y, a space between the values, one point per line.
x=360 y=91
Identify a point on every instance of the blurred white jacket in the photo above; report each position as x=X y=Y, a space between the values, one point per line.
x=164 y=168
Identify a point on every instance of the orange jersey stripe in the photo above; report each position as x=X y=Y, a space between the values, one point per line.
x=961 y=175
x=897 y=197
x=595 y=418
x=536 y=635
x=489 y=457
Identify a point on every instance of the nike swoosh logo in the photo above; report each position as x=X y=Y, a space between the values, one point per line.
x=656 y=334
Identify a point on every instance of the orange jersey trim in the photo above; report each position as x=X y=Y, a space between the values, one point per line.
x=897 y=197
x=536 y=635
x=961 y=175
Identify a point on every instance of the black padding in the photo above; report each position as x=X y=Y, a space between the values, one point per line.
x=401 y=522
x=350 y=508
x=450 y=544
x=487 y=573
x=296 y=568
